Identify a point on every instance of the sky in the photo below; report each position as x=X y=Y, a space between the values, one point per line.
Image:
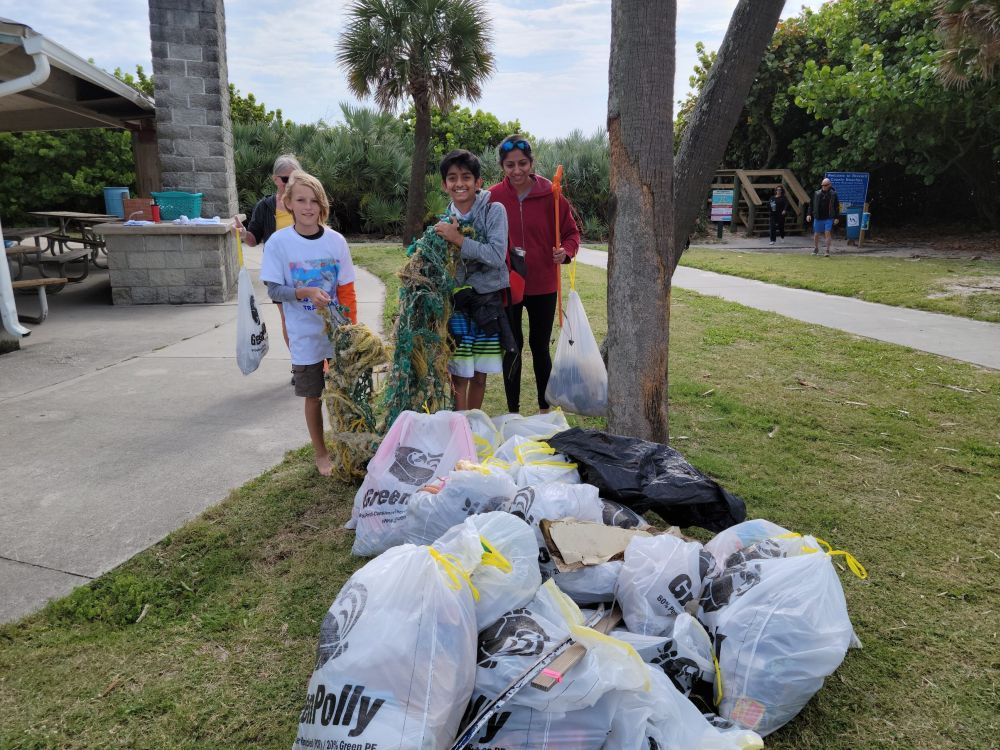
x=551 y=55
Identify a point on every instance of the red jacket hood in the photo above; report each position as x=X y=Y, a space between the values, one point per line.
x=540 y=187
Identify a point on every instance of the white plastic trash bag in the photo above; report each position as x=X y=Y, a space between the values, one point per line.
x=385 y=677
x=519 y=728
x=663 y=719
x=780 y=626
x=744 y=534
x=251 y=333
x=660 y=576
x=485 y=434
x=461 y=494
x=416 y=449
x=686 y=655
x=517 y=639
x=616 y=514
x=505 y=587
x=591 y=584
x=579 y=379
x=532 y=462
x=535 y=427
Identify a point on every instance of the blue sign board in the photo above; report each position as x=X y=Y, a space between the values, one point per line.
x=851 y=187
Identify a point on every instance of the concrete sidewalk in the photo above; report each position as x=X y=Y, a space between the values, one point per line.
x=967 y=340
x=122 y=423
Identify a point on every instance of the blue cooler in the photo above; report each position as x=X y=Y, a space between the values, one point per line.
x=113 y=201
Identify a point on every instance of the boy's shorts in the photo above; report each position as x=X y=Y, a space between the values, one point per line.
x=474 y=350
x=309 y=380
x=822 y=225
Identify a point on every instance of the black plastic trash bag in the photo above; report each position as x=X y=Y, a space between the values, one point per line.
x=649 y=476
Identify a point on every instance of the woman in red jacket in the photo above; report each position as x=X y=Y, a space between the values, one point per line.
x=531 y=231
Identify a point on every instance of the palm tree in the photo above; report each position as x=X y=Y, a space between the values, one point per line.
x=433 y=51
x=970 y=30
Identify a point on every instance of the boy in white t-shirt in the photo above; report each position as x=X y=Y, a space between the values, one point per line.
x=306 y=267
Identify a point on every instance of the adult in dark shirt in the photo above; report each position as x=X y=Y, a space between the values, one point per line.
x=777 y=206
x=823 y=213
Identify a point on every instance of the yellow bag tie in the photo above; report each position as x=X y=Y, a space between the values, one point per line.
x=572 y=274
x=497 y=462
x=453 y=568
x=484 y=443
x=239 y=249
x=493 y=558
x=852 y=562
x=525 y=451
x=719 y=693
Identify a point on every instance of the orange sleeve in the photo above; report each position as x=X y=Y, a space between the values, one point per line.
x=347 y=297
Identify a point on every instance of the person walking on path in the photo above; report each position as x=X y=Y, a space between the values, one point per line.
x=529 y=201
x=270 y=215
x=823 y=213
x=778 y=206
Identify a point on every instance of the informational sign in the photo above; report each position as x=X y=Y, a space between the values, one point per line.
x=851 y=187
x=722 y=205
x=853 y=222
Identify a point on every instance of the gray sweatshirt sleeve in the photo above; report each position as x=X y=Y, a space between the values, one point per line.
x=280 y=292
x=493 y=252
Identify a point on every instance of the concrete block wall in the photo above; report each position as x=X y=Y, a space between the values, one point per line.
x=191 y=78
x=174 y=269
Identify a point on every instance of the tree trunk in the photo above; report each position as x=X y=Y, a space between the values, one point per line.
x=415 y=198
x=640 y=134
x=718 y=109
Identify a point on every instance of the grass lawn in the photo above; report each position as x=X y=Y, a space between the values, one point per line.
x=207 y=639
x=936 y=285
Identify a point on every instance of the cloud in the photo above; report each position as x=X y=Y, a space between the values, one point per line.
x=551 y=55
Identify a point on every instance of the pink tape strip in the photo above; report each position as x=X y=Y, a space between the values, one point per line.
x=557 y=676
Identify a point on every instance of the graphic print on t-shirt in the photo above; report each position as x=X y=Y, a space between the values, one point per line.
x=321 y=272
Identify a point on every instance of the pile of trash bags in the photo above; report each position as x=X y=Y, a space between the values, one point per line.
x=439 y=640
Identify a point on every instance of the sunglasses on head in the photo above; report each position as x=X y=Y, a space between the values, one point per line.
x=284 y=177
x=523 y=146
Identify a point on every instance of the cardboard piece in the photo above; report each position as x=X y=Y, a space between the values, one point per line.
x=575 y=544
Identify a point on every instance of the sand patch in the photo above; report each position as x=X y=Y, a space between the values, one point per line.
x=967 y=285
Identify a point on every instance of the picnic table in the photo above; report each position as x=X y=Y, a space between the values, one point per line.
x=77 y=227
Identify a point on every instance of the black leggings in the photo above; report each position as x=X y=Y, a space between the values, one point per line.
x=541 y=313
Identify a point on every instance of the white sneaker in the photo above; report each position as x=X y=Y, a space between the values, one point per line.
x=771 y=242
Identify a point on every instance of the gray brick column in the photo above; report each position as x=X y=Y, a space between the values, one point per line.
x=194 y=131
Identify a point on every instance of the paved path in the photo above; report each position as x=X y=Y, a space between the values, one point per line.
x=972 y=341
x=120 y=424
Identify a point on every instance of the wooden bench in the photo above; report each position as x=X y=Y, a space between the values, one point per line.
x=43 y=303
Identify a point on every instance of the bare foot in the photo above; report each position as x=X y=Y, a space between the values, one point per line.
x=323 y=465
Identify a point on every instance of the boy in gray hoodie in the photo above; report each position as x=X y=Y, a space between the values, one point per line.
x=478 y=324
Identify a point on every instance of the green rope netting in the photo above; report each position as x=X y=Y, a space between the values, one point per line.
x=349 y=395
x=419 y=378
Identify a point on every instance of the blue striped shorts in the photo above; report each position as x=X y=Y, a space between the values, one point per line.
x=474 y=351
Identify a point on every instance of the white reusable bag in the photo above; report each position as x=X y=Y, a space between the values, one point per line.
x=251 y=333
x=579 y=379
x=783 y=629
x=463 y=493
x=660 y=576
x=395 y=666
x=416 y=449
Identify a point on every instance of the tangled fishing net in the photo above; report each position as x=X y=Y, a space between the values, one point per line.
x=349 y=394
x=419 y=376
